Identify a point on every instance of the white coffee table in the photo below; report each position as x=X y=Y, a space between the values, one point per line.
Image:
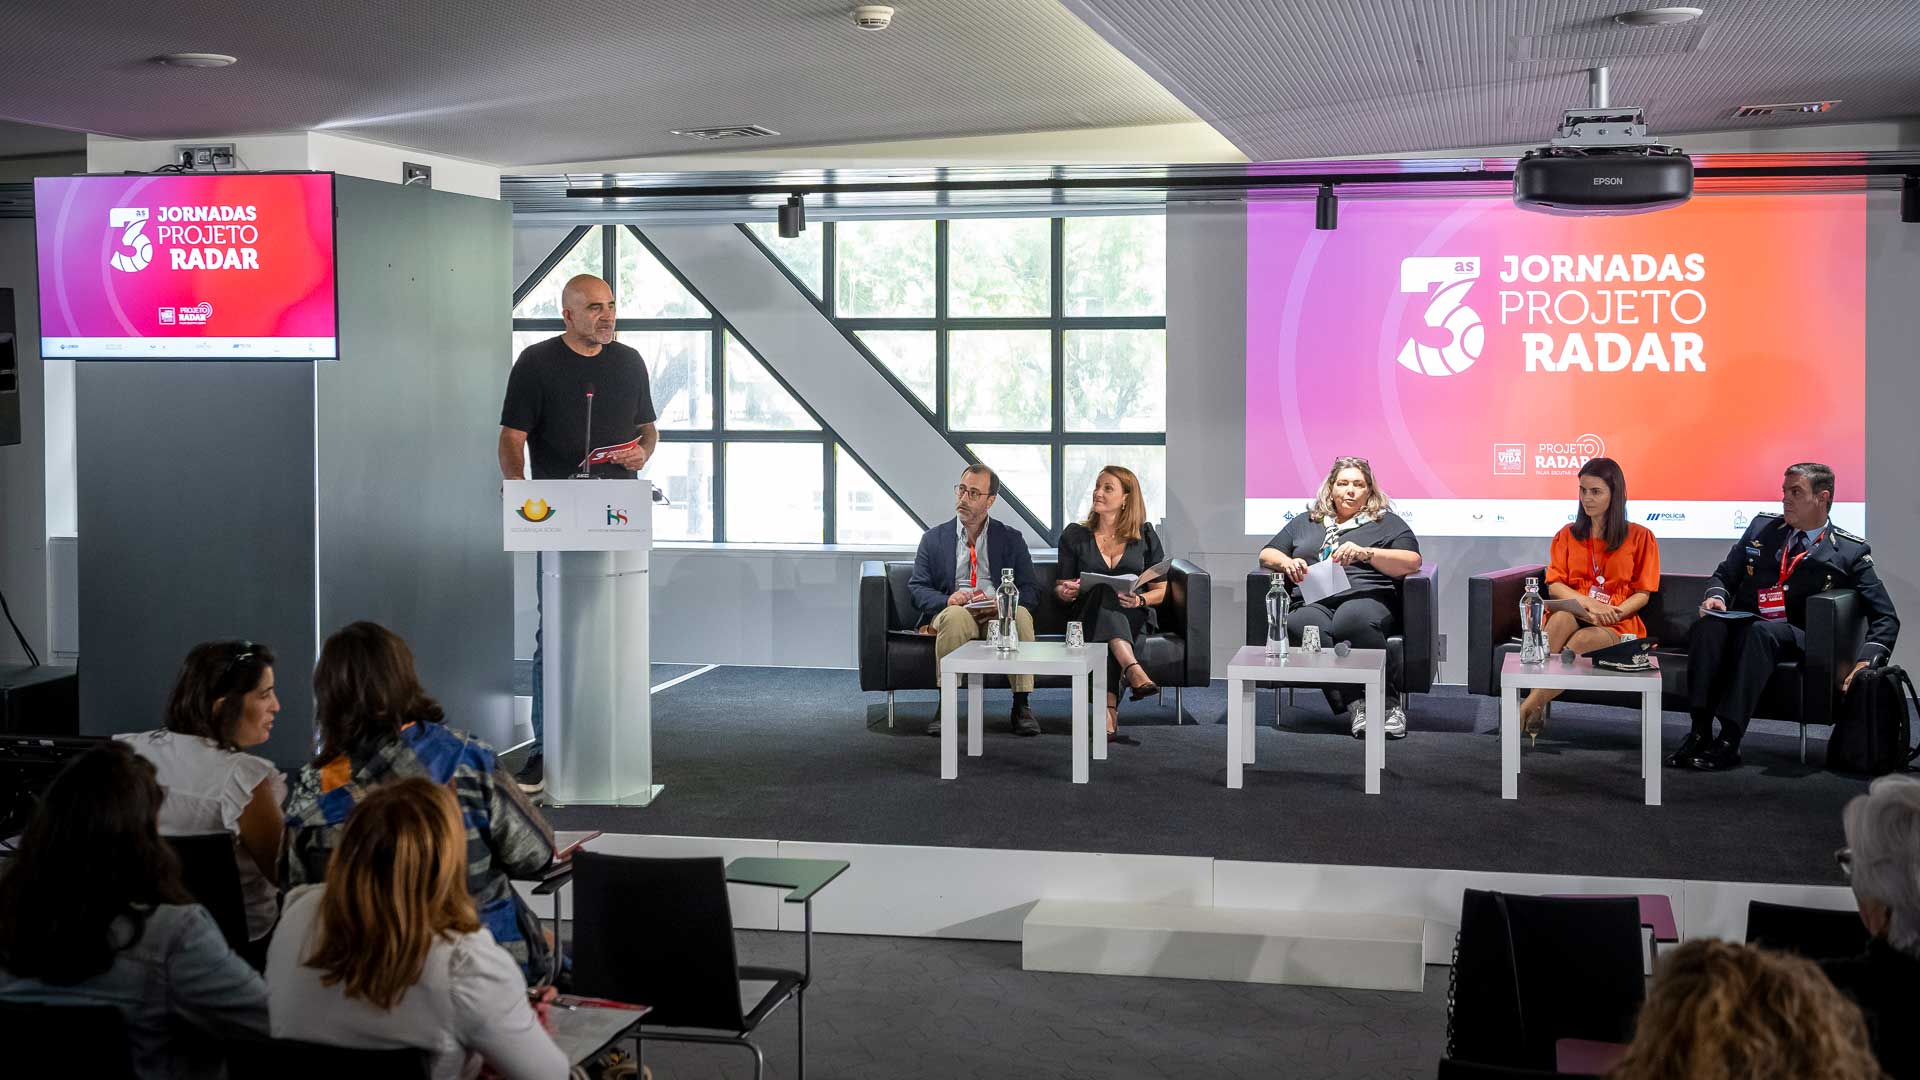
x=976 y=660
x=1579 y=675
x=1252 y=666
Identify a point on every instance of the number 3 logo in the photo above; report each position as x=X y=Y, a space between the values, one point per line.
x=1448 y=279
x=131 y=220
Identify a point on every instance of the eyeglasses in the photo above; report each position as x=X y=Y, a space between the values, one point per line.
x=1844 y=859
x=966 y=492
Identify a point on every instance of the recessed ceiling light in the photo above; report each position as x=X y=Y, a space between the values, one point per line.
x=196 y=60
x=1659 y=16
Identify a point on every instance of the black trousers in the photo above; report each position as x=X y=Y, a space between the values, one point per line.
x=1101 y=618
x=1363 y=622
x=1728 y=664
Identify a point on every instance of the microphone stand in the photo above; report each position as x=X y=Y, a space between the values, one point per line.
x=586 y=470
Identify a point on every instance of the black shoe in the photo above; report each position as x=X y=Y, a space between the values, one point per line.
x=1121 y=738
x=933 y=727
x=1682 y=755
x=1719 y=757
x=532 y=776
x=1023 y=722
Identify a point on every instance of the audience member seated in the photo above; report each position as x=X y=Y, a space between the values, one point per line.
x=1351 y=522
x=390 y=951
x=1116 y=539
x=92 y=912
x=1769 y=574
x=1606 y=564
x=376 y=725
x=1882 y=860
x=956 y=572
x=222 y=704
x=1720 y=1011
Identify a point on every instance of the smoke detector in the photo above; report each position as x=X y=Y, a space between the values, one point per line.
x=196 y=60
x=873 y=16
x=1658 y=16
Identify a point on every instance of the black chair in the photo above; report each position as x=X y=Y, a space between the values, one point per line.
x=71 y=1042
x=291 y=1059
x=1413 y=647
x=894 y=655
x=1529 y=971
x=1468 y=1070
x=1805 y=691
x=659 y=932
x=212 y=878
x=1815 y=933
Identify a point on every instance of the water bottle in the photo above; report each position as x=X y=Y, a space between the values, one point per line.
x=1277 y=617
x=1533 y=625
x=1006 y=601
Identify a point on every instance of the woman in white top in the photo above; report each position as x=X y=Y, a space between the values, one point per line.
x=223 y=703
x=390 y=953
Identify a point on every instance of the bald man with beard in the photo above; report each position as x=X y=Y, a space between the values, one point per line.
x=545 y=418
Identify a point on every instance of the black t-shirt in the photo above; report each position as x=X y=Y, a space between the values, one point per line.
x=547 y=399
x=1303 y=538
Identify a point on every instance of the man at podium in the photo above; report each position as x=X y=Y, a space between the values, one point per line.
x=579 y=405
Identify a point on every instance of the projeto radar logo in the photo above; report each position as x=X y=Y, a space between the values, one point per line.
x=1445 y=280
x=536 y=510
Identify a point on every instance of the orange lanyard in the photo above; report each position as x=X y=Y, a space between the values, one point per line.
x=1786 y=568
x=973 y=567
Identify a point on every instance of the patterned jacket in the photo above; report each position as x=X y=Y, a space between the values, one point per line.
x=506 y=836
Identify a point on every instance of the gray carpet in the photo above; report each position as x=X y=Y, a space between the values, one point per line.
x=523 y=675
x=802 y=754
x=893 y=1008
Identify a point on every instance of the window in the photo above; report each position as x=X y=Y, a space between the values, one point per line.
x=1116 y=380
x=740 y=457
x=998 y=267
x=997 y=380
x=800 y=255
x=911 y=357
x=1116 y=265
x=884 y=269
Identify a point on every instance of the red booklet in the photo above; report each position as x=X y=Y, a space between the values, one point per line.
x=605 y=453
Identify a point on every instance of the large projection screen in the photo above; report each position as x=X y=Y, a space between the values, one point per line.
x=1478 y=355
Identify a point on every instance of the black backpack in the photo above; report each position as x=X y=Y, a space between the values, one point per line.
x=1874 y=730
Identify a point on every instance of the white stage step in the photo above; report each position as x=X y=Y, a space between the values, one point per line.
x=1304 y=948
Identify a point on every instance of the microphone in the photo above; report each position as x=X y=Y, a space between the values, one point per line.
x=586 y=470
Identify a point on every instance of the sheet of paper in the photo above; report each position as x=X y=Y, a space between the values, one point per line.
x=1324 y=579
x=1731 y=614
x=1120 y=582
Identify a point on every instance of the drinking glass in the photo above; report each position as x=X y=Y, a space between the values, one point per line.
x=1076 y=637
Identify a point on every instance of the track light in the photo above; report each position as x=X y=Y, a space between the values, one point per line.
x=793 y=217
x=1910 y=198
x=1326 y=209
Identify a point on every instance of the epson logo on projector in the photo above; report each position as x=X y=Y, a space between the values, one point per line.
x=1609 y=181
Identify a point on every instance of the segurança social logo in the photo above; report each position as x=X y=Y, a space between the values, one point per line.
x=616 y=515
x=1446 y=280
x=131 y=221
x=535 y=510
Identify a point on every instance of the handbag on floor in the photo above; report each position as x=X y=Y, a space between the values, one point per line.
x=1874 y=732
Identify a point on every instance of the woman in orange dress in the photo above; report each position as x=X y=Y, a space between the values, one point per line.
x=1606 y=564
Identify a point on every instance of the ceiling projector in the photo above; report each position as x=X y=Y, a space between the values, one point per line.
x=1602 y=162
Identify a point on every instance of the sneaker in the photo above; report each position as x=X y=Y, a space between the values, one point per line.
x=1359 y=713
x=532 y=776
x=1023 y=722
x=1396 y=722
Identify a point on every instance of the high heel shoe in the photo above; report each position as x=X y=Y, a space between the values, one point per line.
x=1148 y=689
x=1532 y=722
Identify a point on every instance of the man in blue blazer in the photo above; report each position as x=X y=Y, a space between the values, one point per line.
x=959 y=563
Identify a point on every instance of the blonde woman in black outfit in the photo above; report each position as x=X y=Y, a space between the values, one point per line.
x=1115 y=539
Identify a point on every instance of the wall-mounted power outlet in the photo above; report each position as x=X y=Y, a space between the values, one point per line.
x=412 y=175
x=204 y=157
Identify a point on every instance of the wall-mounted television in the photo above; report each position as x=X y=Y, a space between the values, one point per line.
x=233 y=266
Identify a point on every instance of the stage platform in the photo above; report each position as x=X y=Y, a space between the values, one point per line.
x=801 y=755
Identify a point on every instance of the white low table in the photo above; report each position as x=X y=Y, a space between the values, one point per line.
x=1579 y=675
x=1087 y=666
x=1252 y=666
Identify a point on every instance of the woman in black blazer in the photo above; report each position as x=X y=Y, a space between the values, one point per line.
x=1115 y=539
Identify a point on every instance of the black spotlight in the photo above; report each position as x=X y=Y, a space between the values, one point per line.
x=1910 y=198
x=793 y=217
x=1326 y=209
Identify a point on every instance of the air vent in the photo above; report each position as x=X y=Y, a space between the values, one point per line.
x=1786 y=107
x=735 y=131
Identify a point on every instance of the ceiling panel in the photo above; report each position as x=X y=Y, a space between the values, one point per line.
x=514 y=83
x=1287 y=80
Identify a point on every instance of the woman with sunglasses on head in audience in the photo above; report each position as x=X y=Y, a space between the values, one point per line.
x=1607 y=565
x=391 y=951
x=1350 y=523
x=92 y=912
x=375 y=724
x=223 y=704
x=1116 y=539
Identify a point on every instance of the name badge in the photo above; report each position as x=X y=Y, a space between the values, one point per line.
x=1599 y=592
x=1772 y=603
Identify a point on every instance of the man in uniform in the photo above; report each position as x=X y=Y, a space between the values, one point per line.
x=1781 y=561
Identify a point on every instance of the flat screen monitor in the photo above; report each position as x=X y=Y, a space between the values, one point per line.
x=235 y=266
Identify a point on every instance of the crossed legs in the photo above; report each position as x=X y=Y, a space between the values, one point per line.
x=1564 y=630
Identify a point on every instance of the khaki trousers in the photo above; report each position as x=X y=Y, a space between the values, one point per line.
x=956 y=626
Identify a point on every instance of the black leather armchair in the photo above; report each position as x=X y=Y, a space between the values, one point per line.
x=1804 y=691
x=1414 y=645
x=894 y=655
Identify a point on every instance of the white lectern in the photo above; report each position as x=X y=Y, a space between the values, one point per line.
x=594 y=537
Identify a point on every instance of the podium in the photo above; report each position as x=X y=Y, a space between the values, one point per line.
x=594 y=537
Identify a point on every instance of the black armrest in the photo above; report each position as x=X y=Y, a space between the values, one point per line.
x=1420 y=629
x=1188 y=612
x=871 y=625
x=1258 y=582
x=1493 y=617
x=1836 y=626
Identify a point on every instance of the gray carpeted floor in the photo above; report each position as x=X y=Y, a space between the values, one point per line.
x=894 y=1008
x=802 y=754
